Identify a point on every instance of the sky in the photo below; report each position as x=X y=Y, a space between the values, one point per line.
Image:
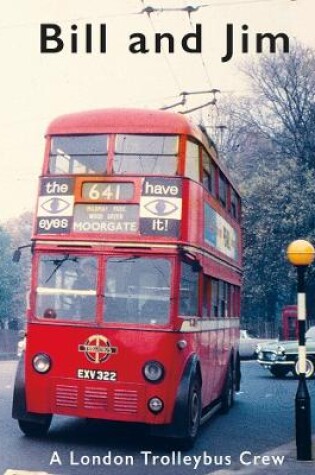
x=36 y=87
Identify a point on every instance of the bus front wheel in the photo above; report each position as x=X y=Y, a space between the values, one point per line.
x=35 y=429
x=194 y=414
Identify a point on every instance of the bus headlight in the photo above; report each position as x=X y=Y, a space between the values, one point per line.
x=153 y=371
x=155 y=405
x=41 y=363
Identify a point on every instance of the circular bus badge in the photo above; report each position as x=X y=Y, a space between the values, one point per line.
x=97 y=348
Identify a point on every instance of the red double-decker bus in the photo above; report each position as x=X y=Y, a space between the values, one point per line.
x=136 y=271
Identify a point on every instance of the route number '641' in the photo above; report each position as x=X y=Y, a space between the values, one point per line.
x=107 y=191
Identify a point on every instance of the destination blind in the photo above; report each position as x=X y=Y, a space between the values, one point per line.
x=102 y=207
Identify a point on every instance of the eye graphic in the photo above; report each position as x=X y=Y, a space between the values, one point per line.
x=55 y=205
x=161 y=207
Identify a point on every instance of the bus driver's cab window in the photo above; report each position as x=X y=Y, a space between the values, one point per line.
x=188 y=303
x=137 y=290
x=66 y=287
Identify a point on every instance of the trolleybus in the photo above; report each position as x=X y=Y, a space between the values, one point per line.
x=134 y=305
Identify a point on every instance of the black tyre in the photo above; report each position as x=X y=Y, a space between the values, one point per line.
x=35 y=429
x=310 y=369
x=279 y=372
x=227 y=395
x=194 y=414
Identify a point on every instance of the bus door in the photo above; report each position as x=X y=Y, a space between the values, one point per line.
x=208 y=339
x=217 y=336
x=198 y=335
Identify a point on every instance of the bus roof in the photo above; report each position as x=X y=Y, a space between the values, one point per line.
x=123 y=121
x=132 y=121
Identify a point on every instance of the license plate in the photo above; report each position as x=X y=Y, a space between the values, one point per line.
x=97 y=375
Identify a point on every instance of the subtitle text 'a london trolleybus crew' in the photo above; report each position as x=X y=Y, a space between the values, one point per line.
x=136 y=271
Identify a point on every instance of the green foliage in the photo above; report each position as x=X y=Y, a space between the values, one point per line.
x=9 y=278
x=17 y=275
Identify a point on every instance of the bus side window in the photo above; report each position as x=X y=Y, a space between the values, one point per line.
x=236 y=301
x=206 y=299
x=188 y=297
x=192 y=162
x=234 y=205
x=214 y=298
x=223 y=190
x=208 y=172
x=223 y=300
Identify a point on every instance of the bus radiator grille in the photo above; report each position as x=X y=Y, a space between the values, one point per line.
x=66 y=396
x=95 y=398
x=104 y=400
x=125 y=401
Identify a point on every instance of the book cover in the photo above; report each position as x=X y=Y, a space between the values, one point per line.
x=244 y=71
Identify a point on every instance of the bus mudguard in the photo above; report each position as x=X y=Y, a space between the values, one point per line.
x=178 y=426
x=19 y=410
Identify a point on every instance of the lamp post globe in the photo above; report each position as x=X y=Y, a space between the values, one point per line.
x=300 y=253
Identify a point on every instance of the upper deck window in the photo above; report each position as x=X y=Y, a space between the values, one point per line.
x=235 y=205
x=192 y=168
x=78 y=154
x=223 y=190
x=208 y=172
x=145 y=154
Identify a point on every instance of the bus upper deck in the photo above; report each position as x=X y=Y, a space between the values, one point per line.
x=135 y=176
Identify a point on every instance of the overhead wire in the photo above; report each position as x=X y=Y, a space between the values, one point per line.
x=191 y=10
x=201 y=55
x=171 y=69
x=68 y=20
x=241 y=2
x=149 y=9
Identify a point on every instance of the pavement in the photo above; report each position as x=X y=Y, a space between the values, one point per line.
x=282 y=459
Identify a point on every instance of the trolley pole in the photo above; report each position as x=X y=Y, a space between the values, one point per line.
x=301 y=254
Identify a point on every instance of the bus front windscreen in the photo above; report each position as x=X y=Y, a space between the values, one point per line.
x=137 y=290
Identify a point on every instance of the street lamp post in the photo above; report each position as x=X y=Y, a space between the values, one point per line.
x=301 y=254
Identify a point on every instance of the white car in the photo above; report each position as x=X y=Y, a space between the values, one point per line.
x=282 y=357
x=250 y=344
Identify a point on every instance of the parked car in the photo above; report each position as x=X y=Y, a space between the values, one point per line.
x=249 y=344
x=281 y=357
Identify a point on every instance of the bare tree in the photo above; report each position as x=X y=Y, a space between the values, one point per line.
x=270 y=146
x=284 y=106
